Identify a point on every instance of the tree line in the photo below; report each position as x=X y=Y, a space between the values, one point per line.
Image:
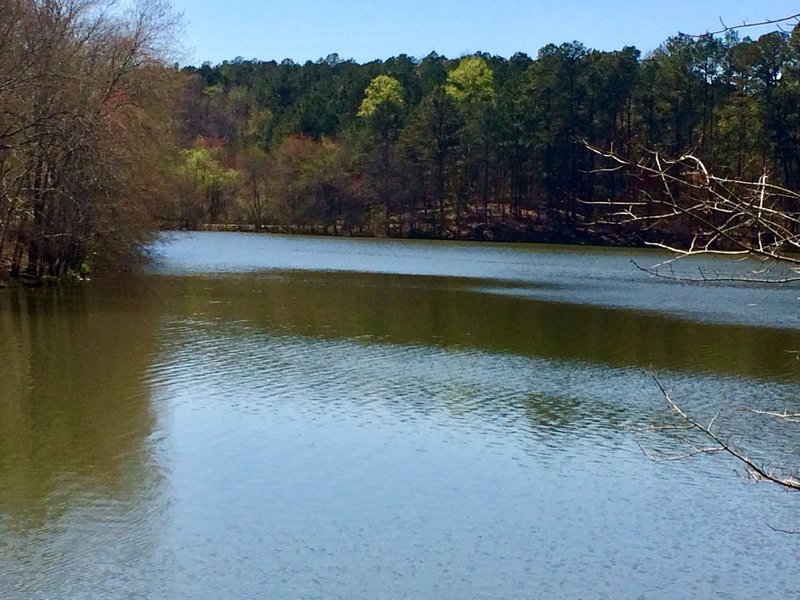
x=481 y=147
x=86 y=102
x=103 y=141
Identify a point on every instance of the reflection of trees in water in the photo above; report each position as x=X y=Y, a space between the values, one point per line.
x=449 y=312
x=608 y=348
x=74 y=400
x=555 y=413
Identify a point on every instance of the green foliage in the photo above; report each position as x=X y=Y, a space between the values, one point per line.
x=382 y=93
x=311 y=184
x=205 y=172
x=206 y=188
x=483 y=146
x=471 y=82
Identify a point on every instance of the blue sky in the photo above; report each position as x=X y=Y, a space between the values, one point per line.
x=366 y=30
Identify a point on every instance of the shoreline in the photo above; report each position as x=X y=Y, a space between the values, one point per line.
x=499 y=233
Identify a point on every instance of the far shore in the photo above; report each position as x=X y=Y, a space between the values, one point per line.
x=497 y=232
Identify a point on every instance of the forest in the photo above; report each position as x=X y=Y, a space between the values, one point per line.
x=104 y=139
x=481 y=147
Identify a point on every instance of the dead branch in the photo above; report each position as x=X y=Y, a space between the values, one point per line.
x=722 y=446
x=786 y=416
x=779 y=530
x=676 y=457
x=730 y=217
x=746 y=25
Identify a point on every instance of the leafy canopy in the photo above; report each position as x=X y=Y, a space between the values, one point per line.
x=471 y=82
x=383 y=91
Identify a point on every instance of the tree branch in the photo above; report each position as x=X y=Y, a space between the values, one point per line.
x=746 y=25
x=731 y=216
x=786 y=416
x=722 y=446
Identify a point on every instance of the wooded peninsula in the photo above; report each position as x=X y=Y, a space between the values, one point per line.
x=105 y=140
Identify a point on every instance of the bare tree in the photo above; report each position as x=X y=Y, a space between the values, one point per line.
x=725 y=217
x=82 y=93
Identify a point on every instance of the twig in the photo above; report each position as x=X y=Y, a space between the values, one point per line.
x=733 y=217
x=786 y=416
x=745 y=25
x=720 y=445
x=779 y=530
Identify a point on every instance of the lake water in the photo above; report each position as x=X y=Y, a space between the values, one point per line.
x=286 y=417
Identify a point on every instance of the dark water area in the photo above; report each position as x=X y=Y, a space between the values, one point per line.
x=270 y=416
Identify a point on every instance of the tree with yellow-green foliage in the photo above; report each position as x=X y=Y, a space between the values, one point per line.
x=205 y=187
x=383 y=108
x=471 y=86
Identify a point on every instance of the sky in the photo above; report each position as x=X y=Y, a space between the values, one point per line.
x=367 y=30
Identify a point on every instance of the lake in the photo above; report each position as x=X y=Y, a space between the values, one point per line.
x=289 y=417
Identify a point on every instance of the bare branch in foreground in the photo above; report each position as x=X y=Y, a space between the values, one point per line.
x=746 y=25
x=717 y=216
x=786 y=416
x=721 y=446
x=677 y=457
x=704 y=277
x=779 y=530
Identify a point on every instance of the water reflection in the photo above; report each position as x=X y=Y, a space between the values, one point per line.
x=75 y=427
x=374 y=466
x=603 y=277
x=453 y=312
x=431 y=432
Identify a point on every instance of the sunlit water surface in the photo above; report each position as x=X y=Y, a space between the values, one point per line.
x=265 y=416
